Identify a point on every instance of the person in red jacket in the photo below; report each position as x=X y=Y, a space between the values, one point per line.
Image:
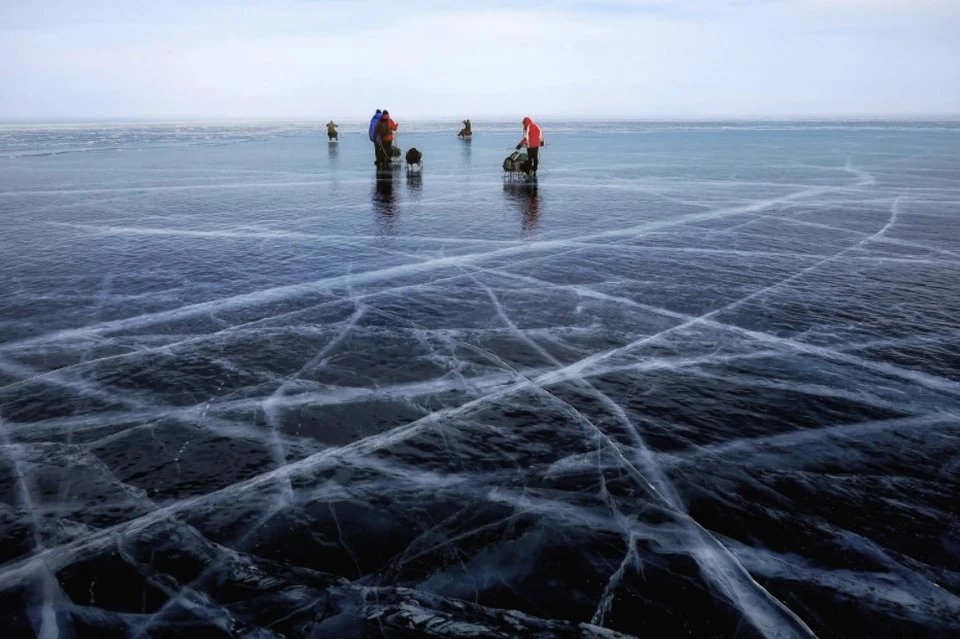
x=533 y=140
x=385 y=128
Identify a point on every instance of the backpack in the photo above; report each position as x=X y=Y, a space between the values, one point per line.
x=383 y=129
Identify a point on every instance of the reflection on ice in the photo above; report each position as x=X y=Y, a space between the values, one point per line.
x=718 y=394
x=385 y=201
x=415 y=180
x=526 y=195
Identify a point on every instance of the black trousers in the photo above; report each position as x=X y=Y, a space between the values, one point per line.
x=533 y=154
x=382 y=150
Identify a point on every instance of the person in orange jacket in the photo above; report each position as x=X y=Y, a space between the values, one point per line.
x=385 y=128
x=533 y=140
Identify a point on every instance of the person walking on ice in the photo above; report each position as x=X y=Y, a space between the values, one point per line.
x=373 y=136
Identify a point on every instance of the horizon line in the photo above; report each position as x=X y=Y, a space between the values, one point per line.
x=954 y=117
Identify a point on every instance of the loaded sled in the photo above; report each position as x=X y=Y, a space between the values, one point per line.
x=516 y=165
x=414 y=159
x=395 y=157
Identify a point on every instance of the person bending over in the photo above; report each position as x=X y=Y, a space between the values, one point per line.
x=533 y=140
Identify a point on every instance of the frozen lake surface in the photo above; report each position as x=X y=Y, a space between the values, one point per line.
x=698 y=380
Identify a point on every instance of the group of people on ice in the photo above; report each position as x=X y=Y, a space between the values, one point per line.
x=382 y=127
x=381 y=131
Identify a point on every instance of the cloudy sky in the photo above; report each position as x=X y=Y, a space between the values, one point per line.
x=203 y=59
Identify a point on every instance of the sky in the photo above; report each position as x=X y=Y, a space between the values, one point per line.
x=644 y=59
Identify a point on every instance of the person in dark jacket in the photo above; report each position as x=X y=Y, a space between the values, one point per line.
x=373 y=137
